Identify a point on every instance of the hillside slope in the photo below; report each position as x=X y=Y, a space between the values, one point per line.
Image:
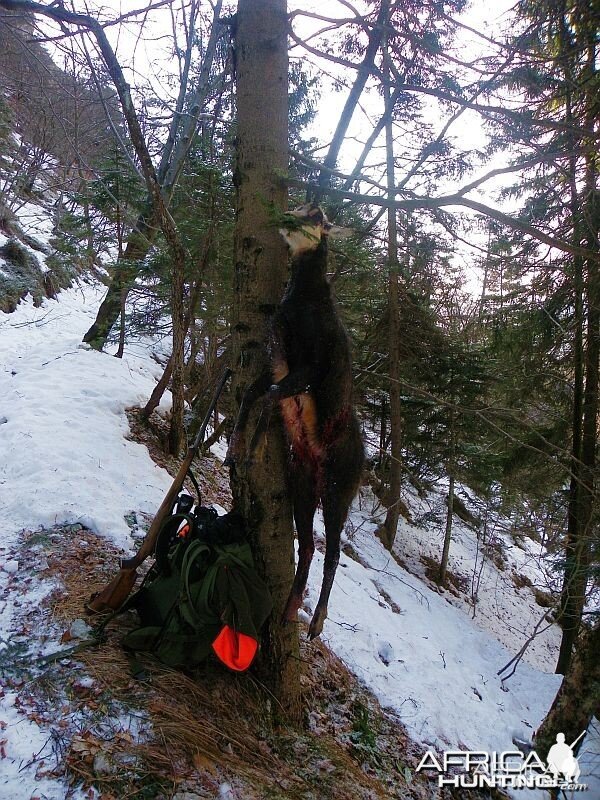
x=67 y=458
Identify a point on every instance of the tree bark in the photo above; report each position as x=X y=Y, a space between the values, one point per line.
x=578 y=698
x=390 y=525
x=259 y=489
x=573 y=520
x=581 y=516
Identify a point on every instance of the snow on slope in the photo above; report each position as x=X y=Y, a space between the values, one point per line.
x=423 y=657
x=64 y=457
x=488 y=563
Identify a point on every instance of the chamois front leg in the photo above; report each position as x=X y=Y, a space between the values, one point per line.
x=303 y=485
x=297 y=381
x=294 y=383
x=237 y=443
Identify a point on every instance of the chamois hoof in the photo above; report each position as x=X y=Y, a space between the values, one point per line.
x=316 y=624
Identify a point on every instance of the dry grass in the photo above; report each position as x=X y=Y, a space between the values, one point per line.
x=456 y=584
x=205 y=728
x=82 y=569
x=215 y=726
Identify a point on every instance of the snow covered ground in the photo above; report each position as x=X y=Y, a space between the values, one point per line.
x=425 y=655
x=63 y=416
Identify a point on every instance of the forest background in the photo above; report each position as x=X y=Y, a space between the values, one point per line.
x=470 y=286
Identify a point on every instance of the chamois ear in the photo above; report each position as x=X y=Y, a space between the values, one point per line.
x=337 y=232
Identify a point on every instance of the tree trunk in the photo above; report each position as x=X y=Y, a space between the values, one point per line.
x=578 y=698
x=382 y=431
x=139 y=242
x=144 y=233
x=390 y=525
x=259 y=489
x=121 y=348
x=580 y=535
x=160 y=388
x=573 y=522
x=448 y=534
x=177 y=359
x=580 y=539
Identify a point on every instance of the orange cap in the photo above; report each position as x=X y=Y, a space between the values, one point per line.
x=236 y=650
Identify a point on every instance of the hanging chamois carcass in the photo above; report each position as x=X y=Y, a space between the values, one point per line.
x=311 y=381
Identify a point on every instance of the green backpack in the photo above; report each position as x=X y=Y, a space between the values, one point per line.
x=202 y=594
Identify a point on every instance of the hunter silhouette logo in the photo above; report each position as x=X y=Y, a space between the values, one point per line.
x=562 y=761
x=510 y=769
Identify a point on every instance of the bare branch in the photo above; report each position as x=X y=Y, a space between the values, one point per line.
x=494 y=173
x=364 y=71
x=414 y=203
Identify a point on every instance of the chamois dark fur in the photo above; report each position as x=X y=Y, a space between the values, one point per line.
x=311 y=381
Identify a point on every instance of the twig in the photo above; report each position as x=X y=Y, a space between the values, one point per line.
x=346 y=625
x=516 y=659
x=31 y=321
x=70 y=353
x=405 y=583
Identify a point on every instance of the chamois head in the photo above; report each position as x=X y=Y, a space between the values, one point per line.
x=304 y=228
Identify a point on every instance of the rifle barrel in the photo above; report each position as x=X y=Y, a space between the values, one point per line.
x=200 y=435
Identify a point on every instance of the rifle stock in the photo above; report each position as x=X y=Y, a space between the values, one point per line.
x=116 y=592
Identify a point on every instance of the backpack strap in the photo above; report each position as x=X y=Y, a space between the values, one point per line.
x=176 y=527
x=195 y=610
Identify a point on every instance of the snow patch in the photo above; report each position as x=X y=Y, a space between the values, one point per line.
x=65 y=455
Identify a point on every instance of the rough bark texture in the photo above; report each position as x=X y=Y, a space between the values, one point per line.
x=391 y=520
x=259 y=489
x=578 y=698
x=582 y=525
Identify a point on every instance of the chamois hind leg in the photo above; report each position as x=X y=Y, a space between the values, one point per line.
x=342 y=478
x=303 y=483
x=334 y=515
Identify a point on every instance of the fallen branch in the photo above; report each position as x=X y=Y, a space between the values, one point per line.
x=514 y=662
